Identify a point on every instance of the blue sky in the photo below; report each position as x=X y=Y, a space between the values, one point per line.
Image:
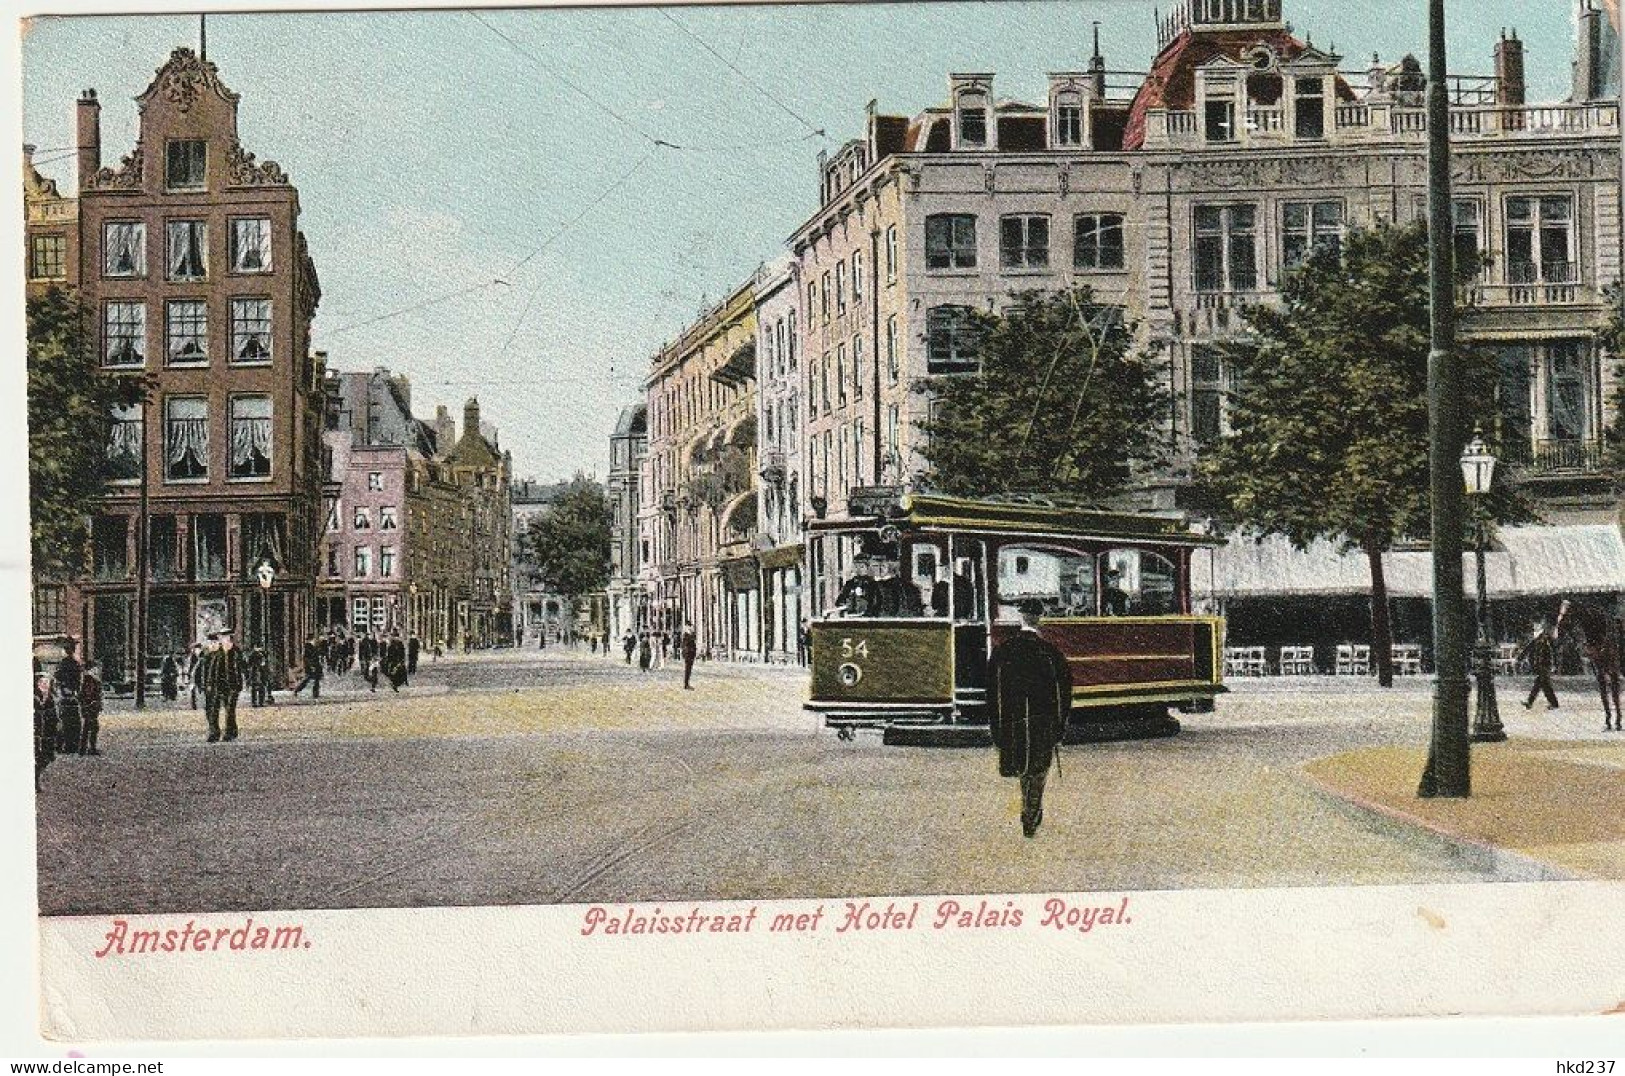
x=436 y=151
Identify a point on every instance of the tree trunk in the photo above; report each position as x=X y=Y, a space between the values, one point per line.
x=1382 y=632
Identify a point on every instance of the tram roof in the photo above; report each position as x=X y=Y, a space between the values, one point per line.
x=936 y=512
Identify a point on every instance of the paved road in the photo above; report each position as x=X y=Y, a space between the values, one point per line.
x=525 y=778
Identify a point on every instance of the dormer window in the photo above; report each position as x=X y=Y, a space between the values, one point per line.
x=1309 y=107
x=1219 y=120
x=186 y=164
x=972 y=119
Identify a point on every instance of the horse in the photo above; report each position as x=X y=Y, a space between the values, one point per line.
x=1604 y=643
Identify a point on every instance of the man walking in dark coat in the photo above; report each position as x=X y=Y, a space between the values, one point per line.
x=412 y=647
x=312 y=659
x=65 y=685
x=169 y=677
x=1542 y=655
x=1029 y=698
x=690 y=647
x=222 y=683
x=395 y=661
x=90 y=709
x=368 y=651
x=258 y=677
x=629 y=643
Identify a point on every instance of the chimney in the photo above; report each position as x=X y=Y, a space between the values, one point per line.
x=89 y=140
x=1509 y=81
x=1588 y=53
x=471 y=416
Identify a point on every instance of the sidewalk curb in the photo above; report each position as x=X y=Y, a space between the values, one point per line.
x=1507 y=865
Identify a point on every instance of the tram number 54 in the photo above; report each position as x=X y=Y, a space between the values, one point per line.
x=849 y=649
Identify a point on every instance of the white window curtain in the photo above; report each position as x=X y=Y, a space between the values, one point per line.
x=251 y=330
x=251 y=245
x=187 y=437
x=250 y=434
x=125 y=249
x=188 y=250
x=125 y=334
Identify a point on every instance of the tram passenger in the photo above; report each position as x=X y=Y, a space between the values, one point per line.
x=898 y=598
x=1116 y=603
x=860 y=595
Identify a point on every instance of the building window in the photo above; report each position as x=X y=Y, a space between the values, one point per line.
x=186 y=323
x=1468 y=217
x=386 y=562
x=1219 y=121
x=363 y=562
x=375 y=480
x=823 y=381
x=840 y=375
x=125 y=443
x=790 y=336
x=251 y=245
x=251 y=330
x=950 y=345
x=332 y=560
x=857 y=367
x=1024 y=241
x=186 y=164
x=1097 y=241
x=823 y=299
x=363 y=518
x=209 y=547
x=840 y=287
x=1207 y=395
x=857 y=452
x=812 y=300
x=332 y=517
x=361 y=615
x=48 y=257
x=812 y=392
x=188 y=250
x=972 y=119
x=1568 y=405
x=48 y=610
x=124 y=248
x=1309 y=107
x=892 y=368
x=264 y=539
x=1540 y=240
x=857 y=276
x=891 y=254
x=186 y=439
x=386 y=518
x=1069 y=122
x=1226 y=259
x=250 y=437
x=1307 y=225
x=109 y=546
x=124 y=334
x=950 y=241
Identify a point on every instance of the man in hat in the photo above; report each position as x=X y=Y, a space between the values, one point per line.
x=90 y=709
x=860 y=595
x=66 y=683
x=312 y=659
x=690 y=649
x=222 y=683
x=395 y=660
x=1029 y=697
x=1116 y=599
x=1542 y=654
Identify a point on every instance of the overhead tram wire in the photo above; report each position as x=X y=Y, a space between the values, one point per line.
x=752 y=83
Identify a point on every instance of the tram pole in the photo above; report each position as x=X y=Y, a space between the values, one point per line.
x=1448 y=765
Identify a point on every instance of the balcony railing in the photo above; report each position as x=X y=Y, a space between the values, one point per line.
x=1387 y=118
x=772 y=467
x=1556 y=456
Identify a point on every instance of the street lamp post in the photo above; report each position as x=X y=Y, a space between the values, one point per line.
x=1448 y=771
x=1477 y=471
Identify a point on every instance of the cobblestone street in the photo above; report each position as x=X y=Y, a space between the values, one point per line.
x=517 y=778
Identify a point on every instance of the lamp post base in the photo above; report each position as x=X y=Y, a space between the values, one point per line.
x=1487 y=726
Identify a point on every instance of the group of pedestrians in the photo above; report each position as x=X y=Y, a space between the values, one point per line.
x=67 y=710
x=372 y=655
x=654 y=647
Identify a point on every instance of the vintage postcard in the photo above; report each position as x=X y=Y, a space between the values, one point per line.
x=673 y=518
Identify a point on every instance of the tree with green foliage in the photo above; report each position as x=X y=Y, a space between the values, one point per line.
x=1063 y=402
x=1328 y=417
x=70 y=418
x=565 y=549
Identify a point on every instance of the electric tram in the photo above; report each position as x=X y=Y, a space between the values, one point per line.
x=935 y=584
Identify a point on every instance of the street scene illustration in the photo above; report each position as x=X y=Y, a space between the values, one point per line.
x=510 y=457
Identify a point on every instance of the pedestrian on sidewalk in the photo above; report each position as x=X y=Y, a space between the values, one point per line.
x=1029 y=697
x=65 y=685
x=169 y=677
x=395 y=661
x=259 y=677
x=194 y=674
x=804 y=643
x=662 y=643
x=369 y=652
x=412 y=648
x=90 y=709
x=222 y=683
x=312 y=658
x=629 y=643
x=645 y=653
x=690 y=648
x=1542 y=654
x=439 y=648
x=46 y=728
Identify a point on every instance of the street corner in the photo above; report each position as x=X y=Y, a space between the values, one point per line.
x=1532 y=815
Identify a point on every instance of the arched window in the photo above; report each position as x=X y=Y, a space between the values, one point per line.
x=1139 y=583
x=1062 y=579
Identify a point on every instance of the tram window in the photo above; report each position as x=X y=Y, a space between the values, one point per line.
x=928 y=581
x=1063 y=580
x=1140 y=583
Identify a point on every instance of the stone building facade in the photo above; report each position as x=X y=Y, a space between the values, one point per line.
x=781 y=457
x=191 y=264
x=697 y=503
x=628 y=446
x=482 y=473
